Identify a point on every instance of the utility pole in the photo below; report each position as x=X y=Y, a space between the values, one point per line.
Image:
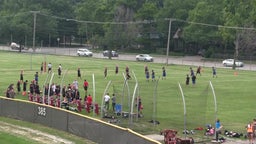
x=34 y=35
x=168 y=41
x=34 y=28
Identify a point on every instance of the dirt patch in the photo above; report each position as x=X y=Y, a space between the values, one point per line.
x=32 y=134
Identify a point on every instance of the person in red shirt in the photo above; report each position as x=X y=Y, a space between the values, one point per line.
x=88 y=103
x=86 y=84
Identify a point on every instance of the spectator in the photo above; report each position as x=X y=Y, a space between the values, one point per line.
x=218 y=128
x=37 y=89
x=53 y=88
x=18 y=86
x=140 y=107
x=75 y=84
x=32 y=88
x=36 y=77
x=86 y=84
x=25 y=88
x=106 y=100
x=10 y=93
x=88 y=103
x=250 y=136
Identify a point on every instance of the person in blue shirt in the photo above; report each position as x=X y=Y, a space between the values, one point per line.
x=218 y=127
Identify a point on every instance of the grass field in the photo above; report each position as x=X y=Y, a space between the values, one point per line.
x=235 y=93
x=15 y=131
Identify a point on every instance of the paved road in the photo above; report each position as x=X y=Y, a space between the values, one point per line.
x=182 y=60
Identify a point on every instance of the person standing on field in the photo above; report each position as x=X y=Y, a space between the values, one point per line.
x=214 y=72
x=198 y=71
x=106 y=100
x=105 y=72
x=36 y=77
x=79 y=73
x=218 y=128
x=153 y=75
x=187 y=79
x=163 y=73
x=49 y=67
x=117 y=69
x=250 y=135
x=21 y=76
x=113 y=102
x=42 y=68
x=86 y=84
x=59 y=70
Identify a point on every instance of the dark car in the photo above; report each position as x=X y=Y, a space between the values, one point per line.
x=107 y=52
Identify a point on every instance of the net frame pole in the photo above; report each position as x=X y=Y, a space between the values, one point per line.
x=49 y=88
x=44 y=88
x=61 y=86
x=128 y=90
x=136 y=94
x=132 y=103
x=215 y=103
x=102 y=101
x=184 y=107
x=93 y=93
x=155 y=102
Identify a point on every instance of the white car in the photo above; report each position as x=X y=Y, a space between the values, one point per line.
x=84 y=52
x=16 y=46
x=144 y=57
x=230 y=62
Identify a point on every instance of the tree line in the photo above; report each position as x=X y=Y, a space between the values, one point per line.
x=218 y=28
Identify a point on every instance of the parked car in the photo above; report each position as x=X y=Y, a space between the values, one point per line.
x=113 y=53
x=230 y=62
x=144 y=57
x=15 y=46
x=84 y=52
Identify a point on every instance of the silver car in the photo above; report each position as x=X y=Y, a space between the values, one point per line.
x=230 y=62
x=84 y=52
x=144 y=57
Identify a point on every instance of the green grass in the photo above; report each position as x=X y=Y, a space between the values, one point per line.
x=13 y=139
x=235 y=94
x=24 y=139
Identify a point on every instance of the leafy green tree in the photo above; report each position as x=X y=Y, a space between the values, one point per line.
x=239 y=22
x=203 y=20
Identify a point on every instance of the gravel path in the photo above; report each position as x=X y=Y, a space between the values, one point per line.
x=228 y=140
